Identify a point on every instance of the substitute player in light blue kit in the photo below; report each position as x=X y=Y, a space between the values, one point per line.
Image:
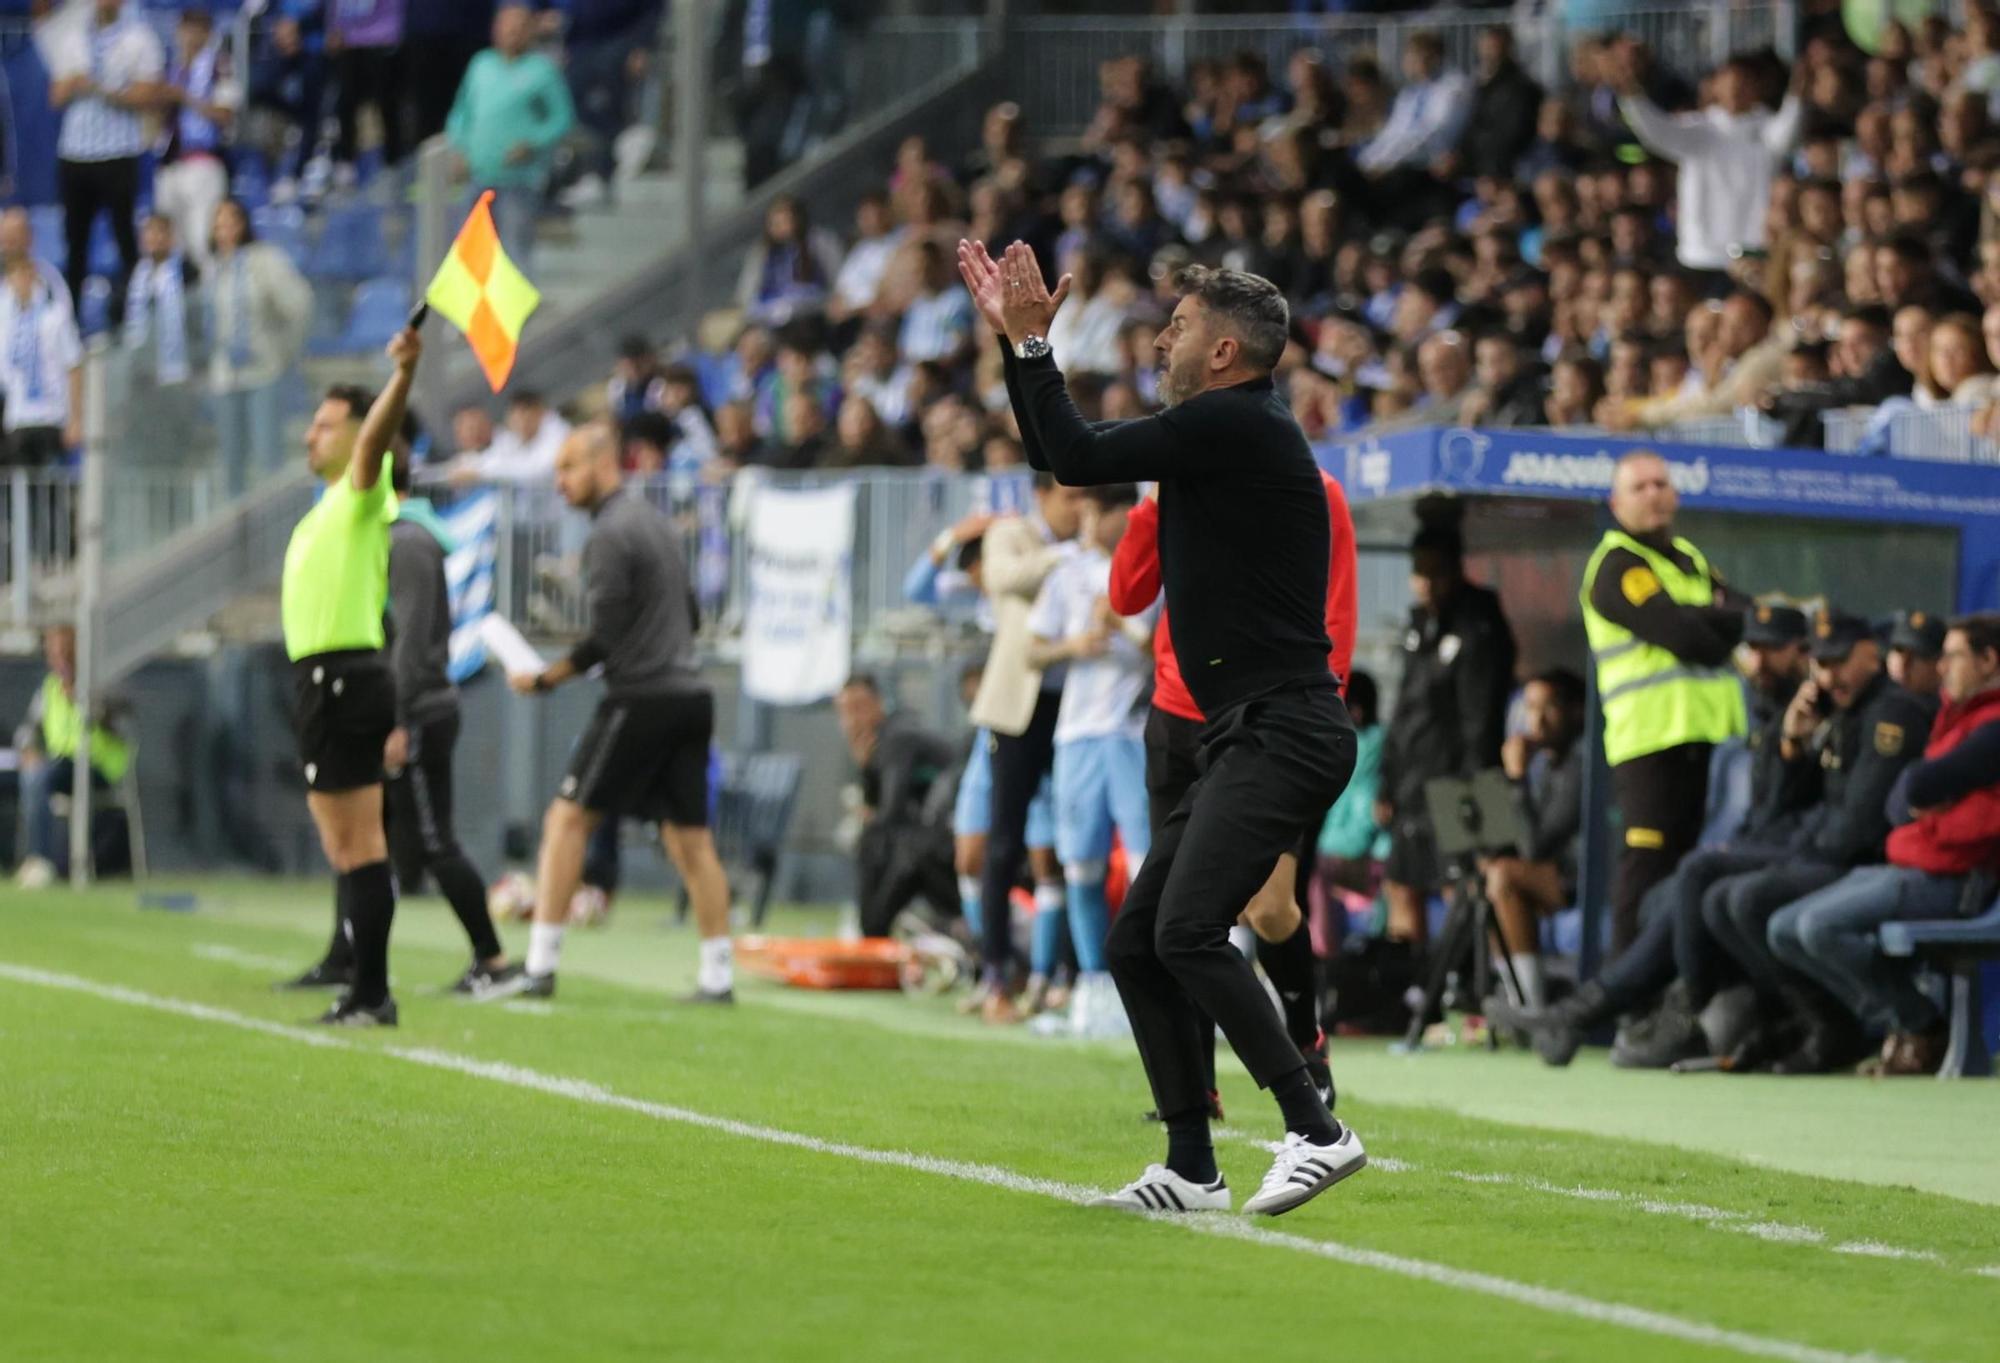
x=1100 y=761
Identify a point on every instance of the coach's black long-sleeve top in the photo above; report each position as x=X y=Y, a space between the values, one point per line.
x=1244 y=540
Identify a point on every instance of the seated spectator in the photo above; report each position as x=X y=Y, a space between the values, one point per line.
x=471 y=429
x=1576 y=390
x=861 y=440
x=1946 y=809
x=937 y=325
x=694 y=444
x=1545 y=763
x=1866 y=372
x=790 y=269
x=805 y=443
x=1506 y=104
x=259 y=311
x=644 y=441
x=738 y=444
x=1916 y=644
x=905 y=851
x=858 y=281
x=1959 y=369
x=1910 y=340
x=1746 y=362
x=1906 y=275
x=46 y=744
x=1424 y=125
x=523 y=453
x=1509 y=393
x=1085 y=335
x=634 y=385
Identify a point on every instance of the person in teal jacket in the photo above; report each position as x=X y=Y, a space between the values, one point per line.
x=513 y=107
x=1351 y=844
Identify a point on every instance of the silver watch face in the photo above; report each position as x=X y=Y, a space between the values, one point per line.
x=1034 y=348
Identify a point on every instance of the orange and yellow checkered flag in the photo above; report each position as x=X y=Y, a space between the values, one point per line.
x=483 y=293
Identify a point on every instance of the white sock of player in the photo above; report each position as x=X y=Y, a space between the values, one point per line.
x=718 y=964
x=1528 y=969
x=544 y=948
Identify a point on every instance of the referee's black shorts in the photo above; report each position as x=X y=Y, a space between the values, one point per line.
x=345 y=708
x=646 y=758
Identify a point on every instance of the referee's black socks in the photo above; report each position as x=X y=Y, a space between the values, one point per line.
x=367 y=898
x=1190 y=1152
x=1292 y=969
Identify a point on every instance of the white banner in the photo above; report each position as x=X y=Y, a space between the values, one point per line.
x=798 y=623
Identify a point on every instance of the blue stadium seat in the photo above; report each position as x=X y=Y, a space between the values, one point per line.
x=350 y=245
x=283 y=225
x=1958 y=946
x=381 y=306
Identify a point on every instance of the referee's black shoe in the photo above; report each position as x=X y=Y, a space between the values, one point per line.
x=478 y=978
x=348 y=1013
x=321 y=976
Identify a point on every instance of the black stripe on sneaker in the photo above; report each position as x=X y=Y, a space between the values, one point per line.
x=1146 y=1195
x=1317 y=1167
x=1167 y=1191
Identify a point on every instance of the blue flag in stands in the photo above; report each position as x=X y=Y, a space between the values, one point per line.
x=468 y=574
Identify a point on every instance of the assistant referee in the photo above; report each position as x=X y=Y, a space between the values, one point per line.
x=336 y=588
x=1244 y=545
x=645 y=753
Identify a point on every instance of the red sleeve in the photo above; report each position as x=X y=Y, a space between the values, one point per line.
x=1135 y=567
x=1341 y=573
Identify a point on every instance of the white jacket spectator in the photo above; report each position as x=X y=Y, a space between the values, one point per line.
x=1086 y=336
x=1728 y=155
x=39 y=358
x=875 y=243
x=259 y=311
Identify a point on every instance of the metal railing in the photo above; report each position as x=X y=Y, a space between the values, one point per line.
x=1052 y=61
x=1943 y=434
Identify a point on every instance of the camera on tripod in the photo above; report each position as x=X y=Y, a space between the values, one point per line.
x=1470 y=819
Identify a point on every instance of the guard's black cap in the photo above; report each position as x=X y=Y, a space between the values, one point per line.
x=1835 y=635
x=1921 y=632
x=1774 y=626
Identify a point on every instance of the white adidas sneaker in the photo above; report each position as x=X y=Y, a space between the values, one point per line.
x=1160 y=1189
x=1302 y=1171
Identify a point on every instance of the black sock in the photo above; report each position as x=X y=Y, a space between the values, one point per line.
x=1304 y=1112
x=340 y=950
x=463 y=890
x=1190 y=1152
x=371 y=907
x=1289 y=966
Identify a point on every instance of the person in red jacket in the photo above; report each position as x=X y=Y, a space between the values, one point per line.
x=1948 y=810
x=1173 y=740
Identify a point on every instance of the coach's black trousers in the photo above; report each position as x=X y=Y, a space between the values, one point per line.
x=1269 y=767
x=1019 y=766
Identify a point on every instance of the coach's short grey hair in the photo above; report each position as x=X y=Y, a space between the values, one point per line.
x=1250 y=306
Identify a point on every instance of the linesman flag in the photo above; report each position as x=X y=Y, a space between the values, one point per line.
x=483 y=293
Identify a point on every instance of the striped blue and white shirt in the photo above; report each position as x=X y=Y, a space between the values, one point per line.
x=116 y=56
x=936 y=326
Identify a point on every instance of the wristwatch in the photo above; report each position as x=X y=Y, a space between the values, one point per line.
x=1033 y=348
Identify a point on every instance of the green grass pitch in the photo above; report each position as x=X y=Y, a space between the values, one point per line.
x=185 y=1174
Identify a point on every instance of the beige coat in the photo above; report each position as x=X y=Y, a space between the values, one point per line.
x=1013 y=561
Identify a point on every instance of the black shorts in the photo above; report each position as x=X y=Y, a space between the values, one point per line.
x=345 y=708
x=645 y=758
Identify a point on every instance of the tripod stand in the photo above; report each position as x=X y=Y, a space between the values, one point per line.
x=1468 y=818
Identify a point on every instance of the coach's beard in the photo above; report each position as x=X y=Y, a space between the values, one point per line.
x=1177 y=385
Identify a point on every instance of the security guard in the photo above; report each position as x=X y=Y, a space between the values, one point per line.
x=1916 y=646
x=1661 y=630
x=47 y=742
x=1855 y=730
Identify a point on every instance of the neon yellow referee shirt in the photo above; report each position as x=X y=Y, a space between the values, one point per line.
x=336 y=583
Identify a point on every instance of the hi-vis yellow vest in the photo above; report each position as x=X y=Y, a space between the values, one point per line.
x=1652 y=699
x=110 y=755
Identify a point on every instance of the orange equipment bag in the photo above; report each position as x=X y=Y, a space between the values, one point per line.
x=825 y=962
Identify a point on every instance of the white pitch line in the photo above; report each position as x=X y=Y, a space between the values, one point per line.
x=1552 y=1300
x=249 y=960
x=1875 y=1249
